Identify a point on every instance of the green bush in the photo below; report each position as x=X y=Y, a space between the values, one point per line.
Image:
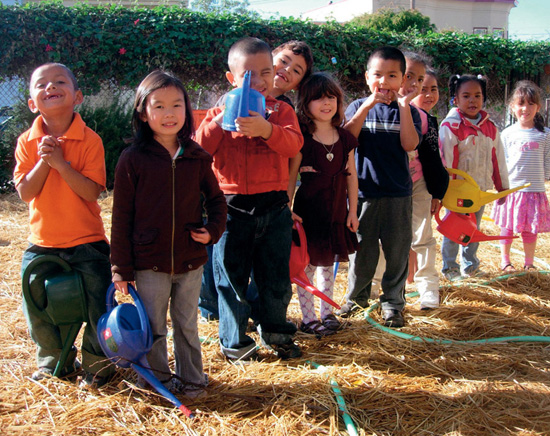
x=113 y=43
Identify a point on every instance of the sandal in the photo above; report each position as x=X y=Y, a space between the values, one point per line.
x=530 y=267
x=508 y=268
x=316 y=328
x=332 y=323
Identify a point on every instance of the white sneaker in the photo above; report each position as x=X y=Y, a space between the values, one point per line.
x=429 y=299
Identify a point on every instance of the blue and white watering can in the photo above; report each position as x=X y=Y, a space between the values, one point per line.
x=241 y=100
x=125 y=337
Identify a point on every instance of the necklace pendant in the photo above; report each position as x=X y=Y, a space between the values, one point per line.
x=330 y=156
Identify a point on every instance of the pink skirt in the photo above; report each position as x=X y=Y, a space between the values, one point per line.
x=523 y=212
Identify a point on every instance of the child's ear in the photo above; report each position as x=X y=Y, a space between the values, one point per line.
x=32 y=106
x=230 y=78
x=78 y=97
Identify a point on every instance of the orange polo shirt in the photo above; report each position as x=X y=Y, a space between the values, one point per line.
x=58 y=216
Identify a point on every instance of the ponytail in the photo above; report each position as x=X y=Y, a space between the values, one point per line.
x=456 y=81
x=539 y=122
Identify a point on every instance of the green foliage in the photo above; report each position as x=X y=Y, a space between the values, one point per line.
x=121 y=46
x=395 y=21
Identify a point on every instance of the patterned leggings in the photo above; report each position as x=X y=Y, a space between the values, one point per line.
x=325 y=283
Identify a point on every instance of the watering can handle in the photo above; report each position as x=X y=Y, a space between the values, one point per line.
x=302 y=235
x=38 y=260
x=463 y=174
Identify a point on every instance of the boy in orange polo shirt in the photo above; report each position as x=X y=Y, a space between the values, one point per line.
x=60 y=172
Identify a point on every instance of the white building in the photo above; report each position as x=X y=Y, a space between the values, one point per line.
x=471 y=16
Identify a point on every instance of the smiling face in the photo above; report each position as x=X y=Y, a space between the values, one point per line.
x=414 y=77
x=324 y=108
x=165 y=113
x=261 y=67
x=290 y=69
x=469 y=99
x=384 y=75
x=429 y=94
x=53 y=91
x=525 y=111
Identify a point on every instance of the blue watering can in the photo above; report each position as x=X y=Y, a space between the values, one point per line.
x=59 y=300
x=239 y=101
x=125 y=337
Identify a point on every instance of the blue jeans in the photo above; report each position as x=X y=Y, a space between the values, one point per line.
x=469 y=261
x=92 y=261
x=259 y=243
x=388 y=220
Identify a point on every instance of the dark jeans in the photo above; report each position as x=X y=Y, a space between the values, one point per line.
x=259 y=243
x=92 y=261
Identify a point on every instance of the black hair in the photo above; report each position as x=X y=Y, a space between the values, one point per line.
x=157 y=80
x=456 y=81
x=419 y=58
x=527 y=91
x=56 y=64
x=389 y=54
x=246 y=46
x=316 y=86
x=299 y=48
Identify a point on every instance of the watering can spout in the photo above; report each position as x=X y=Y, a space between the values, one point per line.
x=245 y=96
x=240 y=101
x=465 y=196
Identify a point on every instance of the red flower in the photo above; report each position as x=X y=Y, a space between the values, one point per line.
x=122 y=51
x=136 y=22
x=49 y=47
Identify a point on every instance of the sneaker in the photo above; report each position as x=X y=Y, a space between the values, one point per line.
x=393 y=318
x=194 y=392
x=316 y=328
x=94 y=381
x=429 y=299
x=290 y=350
x=452 y=274
x=475 y=274
x=349 y=309
x=69 y=372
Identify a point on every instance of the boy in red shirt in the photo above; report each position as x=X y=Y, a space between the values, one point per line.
x=60 y=172
x=252 y=167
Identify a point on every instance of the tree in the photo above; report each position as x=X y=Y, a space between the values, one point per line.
x=400 y=21
x=221 y=6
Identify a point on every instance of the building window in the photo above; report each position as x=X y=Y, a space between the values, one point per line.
x=497 y=31
x=480 y=31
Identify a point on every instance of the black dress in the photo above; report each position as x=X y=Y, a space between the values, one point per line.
x=321 y=200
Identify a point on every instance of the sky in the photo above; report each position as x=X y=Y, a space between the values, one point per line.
x=529 y=20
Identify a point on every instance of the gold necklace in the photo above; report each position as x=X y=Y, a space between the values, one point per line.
x=329 y=154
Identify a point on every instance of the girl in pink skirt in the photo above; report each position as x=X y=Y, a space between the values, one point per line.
x=527 y=149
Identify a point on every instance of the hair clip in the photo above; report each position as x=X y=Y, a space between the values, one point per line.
x=452 y=101
x=479 y=76
x=457 y=76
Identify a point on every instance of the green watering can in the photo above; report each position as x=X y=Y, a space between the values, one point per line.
x=64 y=301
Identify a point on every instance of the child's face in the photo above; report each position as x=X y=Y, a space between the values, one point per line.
x=525 y=111
x=414 y=77
x=429 y=94
x=469 y=99
x=324 y=108
x=384 y=76
x=52 y=91
x=165 y=113
x=261 y=67
x=289 y=71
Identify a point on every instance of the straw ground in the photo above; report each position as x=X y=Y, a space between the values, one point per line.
x=391 y=386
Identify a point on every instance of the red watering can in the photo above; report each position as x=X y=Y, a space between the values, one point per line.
x=462 y=228
x=299 y=259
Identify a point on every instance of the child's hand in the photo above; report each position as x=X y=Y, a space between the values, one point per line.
x=378 y=96
x=201 y=235
x=435 y=207
x=254 y=126
x=296 y=218
x=123 y=286
x=407 y=98
x=50 y=151
x=352 y=222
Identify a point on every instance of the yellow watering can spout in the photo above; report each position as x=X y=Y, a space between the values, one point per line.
x=464 y=196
